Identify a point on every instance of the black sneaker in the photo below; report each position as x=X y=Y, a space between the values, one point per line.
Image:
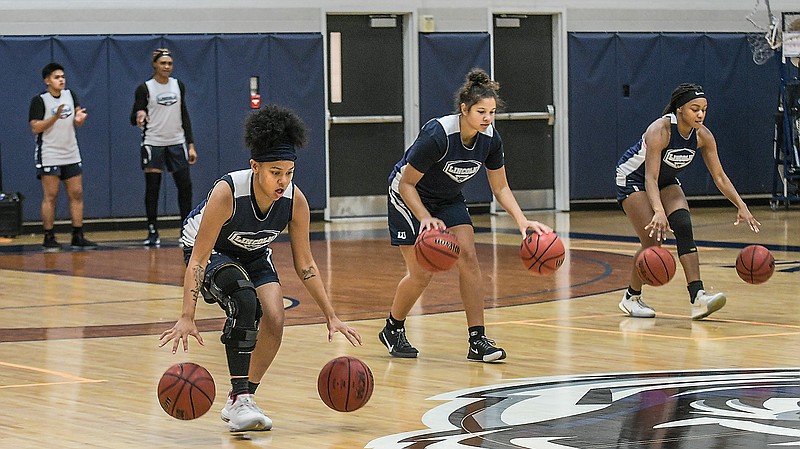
x=484 y=350
x=80 y=242
x=397 y=343
x=50 y=245
x=152 y=237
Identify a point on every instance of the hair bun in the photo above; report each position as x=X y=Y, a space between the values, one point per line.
x=478 y=76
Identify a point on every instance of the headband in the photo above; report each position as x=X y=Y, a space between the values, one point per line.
x=160 y=54
x=688 y=96
x=280 y=152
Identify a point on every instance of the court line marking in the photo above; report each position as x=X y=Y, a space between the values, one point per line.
x=73 y=379
x=543 y=323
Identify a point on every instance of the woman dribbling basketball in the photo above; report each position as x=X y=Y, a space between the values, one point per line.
x=425 y=193
x=653 y=201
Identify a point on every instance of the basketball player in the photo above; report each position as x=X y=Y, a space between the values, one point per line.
x=425 y=193
x=233 y=227
x=159 y=109
x=651 y=196
x=53 y=116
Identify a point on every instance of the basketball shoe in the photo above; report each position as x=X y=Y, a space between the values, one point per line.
x=152 y=237
x=226 y=411
x=397 y=343
x=635 y=307
x=705 y=304
x=484 y=350
x=243 y=414
x=81 y=242
x=50 y=245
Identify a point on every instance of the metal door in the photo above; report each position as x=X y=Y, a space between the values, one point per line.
x=523 y=65
x=366 y=107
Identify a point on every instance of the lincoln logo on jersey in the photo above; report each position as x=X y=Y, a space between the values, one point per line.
x=167 y=99
x=678 y=158
x=66 y=112
x=460 y=171
x=252 y=241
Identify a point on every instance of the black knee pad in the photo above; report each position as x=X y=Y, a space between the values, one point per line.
x=681 y=223
x=231 y=288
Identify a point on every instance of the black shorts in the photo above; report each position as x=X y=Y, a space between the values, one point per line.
x=63 y=172
x=404 y=226
x=261 y=270
x=630 y=187
x=172 y=157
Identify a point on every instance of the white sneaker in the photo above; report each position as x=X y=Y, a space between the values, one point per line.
x=243 y=415
x=225 y=414
x=635 y=307
x=704 y=304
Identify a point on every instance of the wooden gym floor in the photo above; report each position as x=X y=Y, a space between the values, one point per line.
x=79 y=356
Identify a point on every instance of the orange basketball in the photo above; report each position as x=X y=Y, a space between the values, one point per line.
x=755 y=264
x=655 y=265
x=186 y=391
x=437 y=250
x=542 y=254
x=345 y=384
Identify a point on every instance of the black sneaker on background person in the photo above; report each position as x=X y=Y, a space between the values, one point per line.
x=396 y=342
x=50 y=245
x=152 y=236
x=483 y=350
x=81 y=242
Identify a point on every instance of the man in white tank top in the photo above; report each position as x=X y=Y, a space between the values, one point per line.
x=53 y=116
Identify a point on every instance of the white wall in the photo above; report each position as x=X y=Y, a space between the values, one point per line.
x=18 y=17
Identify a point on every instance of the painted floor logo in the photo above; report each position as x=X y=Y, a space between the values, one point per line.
x=746 y=408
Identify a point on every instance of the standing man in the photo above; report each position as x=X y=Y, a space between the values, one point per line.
x=160 y=111
x=53 y=116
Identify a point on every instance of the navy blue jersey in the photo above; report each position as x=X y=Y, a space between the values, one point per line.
x=678 y=154
x=247 y=234
x=446 y=163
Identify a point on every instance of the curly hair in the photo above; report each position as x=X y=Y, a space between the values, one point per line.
x=477 y=86
x=272 y=126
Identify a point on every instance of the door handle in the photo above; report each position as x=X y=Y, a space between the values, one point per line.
x=359 y=119
x=550 y=115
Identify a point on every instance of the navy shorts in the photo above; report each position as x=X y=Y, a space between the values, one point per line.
x=172 y=157
x=260 y=270
x=403 y=225
x=630 y=187
x=62 y=171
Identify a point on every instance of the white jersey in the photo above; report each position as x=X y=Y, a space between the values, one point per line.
x=57 y=145
x=164 y=109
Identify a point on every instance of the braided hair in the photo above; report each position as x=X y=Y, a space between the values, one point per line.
x=477 y=86
x=681 y=94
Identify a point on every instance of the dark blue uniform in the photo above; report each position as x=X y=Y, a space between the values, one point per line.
x=245 y=237
x=447 y=165
x=678 y=154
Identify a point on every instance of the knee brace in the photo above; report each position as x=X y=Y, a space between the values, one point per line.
x=681 y=223
x=229 y=286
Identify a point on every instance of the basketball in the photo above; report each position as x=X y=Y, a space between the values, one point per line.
x=755 y=264
x=345 y=384
x=655 y=265
x=186 y=391
x=542 y=254
x=437 y=250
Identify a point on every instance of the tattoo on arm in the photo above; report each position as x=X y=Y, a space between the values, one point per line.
x=198 y=282
x=308 y=273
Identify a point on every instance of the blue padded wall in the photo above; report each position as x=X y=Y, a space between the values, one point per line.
x=742 y=100
x=444 y=61
x=105 y=70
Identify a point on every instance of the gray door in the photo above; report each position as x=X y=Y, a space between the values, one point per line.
x=365 y=102
x=523 y=65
